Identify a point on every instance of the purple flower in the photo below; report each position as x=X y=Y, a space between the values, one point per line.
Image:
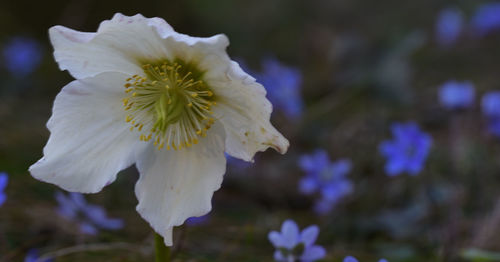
x=486 y=19
x=494 y=126
x=283 y=86
x=293 y=245
x=490 y=105
x=4 y=179
x=33 y=256
x=350 y=259
x=407 y=151
x=237 y=163
x=22 y=55
x=353 y=259
x=325 y=177
x=457 y=95
x=90 y=217
x=449 y=26
x=197 y=221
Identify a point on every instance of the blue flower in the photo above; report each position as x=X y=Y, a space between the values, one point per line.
x=490 y=105
x=407 y=151
x=486 y=19
x=494 y=126
x=22 y=55
x=293 y=245
x=353 y=259
x=350 y=259
x=325 y=177
x=449 y=26
x=197 y=221
x=283 y=86
x=237 y=163
x=90 y=217
x=4 y=179
x=33 y=256
x=457 y=95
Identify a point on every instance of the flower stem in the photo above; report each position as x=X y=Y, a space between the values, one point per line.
x=162 y=252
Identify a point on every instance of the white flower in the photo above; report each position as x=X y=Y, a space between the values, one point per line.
x=170 y=103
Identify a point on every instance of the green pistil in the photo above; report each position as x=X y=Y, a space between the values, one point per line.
x=173 y=101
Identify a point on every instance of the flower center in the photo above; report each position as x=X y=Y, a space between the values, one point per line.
x=326 y=175
x=170 y=104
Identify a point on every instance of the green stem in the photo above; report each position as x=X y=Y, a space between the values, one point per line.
x=162 y=253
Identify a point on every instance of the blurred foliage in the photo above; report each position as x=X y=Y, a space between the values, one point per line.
x=365 y=64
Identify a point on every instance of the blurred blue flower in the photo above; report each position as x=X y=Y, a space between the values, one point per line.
x=197 y=221
x=350 y=259
x=449 y=26
x=407 y=151
x=353 y=259
x=33 y=256
x=494 y=126
x=486 y=19
x=236 y=163
x=4 y=179
x=283 y=86
x=293 y=245
x=325 y=177
x=490 y=105
x=21 y=55
x=90 y=217
x=457 y=95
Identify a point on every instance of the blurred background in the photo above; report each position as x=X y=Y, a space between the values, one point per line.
x=389 y=106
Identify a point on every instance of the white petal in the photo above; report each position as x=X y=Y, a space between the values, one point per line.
x=90 y=141
x=124 y=43
x=207 y=53
x=243 y=109
x=176 y=185
x=119 y=20
x=119 y=45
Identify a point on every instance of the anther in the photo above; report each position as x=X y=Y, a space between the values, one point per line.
x=171 y=103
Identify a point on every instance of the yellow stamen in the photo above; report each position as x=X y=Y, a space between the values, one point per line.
x=171 y=101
